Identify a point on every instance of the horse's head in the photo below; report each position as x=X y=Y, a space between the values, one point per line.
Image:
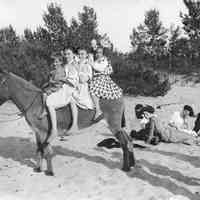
x=4 y=91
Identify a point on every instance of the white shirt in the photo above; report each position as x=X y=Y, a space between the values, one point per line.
x=101 y=64
x=177 y=120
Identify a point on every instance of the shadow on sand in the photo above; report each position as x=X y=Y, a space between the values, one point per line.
x=193 y=160
x=23 y=151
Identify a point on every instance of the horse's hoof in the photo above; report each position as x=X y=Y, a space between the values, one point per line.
x=137 y=166
x=49 y=173
x=132 y=165
x=37 y=169
x=62 y=138
x=126 y=169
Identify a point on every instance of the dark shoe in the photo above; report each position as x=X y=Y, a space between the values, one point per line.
x=133 y=134
x=109 y=143
x=155 y=140
x=98 y=118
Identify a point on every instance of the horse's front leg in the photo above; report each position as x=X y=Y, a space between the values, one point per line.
x=39 y=161
x=48 y=155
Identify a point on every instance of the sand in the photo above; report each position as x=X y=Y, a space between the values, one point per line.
x=84 y=171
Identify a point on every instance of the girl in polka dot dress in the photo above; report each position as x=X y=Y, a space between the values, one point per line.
x=101 y=85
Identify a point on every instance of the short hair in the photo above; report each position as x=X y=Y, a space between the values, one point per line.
x=140 y=109
x=81 y=48
x=190 y=109
x=100 y=47
x=55 y=55
x=73 y=50
x=138 y=106
x=149 y=109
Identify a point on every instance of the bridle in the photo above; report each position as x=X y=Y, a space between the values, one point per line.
x=20 y=114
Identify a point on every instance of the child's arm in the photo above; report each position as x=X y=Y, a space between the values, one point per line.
x=151 y=130
x=100 y=67
x=72 y=75
x=173 y=120
x=52 y=76
x=85 y=74
x=108 y=70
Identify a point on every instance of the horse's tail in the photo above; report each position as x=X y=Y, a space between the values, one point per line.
x=123 y=121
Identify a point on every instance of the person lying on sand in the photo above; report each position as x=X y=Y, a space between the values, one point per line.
x=154 y=131
x=180 y=120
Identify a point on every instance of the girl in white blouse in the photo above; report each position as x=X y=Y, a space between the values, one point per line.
x=63 y=96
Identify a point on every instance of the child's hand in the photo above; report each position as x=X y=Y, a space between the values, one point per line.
x=83 y=78
x=78 y=88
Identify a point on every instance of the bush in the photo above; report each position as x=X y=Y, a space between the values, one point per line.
x=145 y=82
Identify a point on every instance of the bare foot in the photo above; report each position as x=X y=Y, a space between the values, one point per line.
x=72 y=131
x=54 y=133
x=63 y=135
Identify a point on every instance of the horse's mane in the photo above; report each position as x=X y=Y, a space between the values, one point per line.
x=24 y=83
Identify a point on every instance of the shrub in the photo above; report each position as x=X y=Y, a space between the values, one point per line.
x=145 y=82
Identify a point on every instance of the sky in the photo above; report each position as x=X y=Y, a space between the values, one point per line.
x=115 y=17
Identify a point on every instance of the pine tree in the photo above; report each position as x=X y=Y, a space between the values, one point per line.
x=57 y=28
x=191 y=26
x=174 y=37
x=83 y=30
x=150 y=37
x=8 y=35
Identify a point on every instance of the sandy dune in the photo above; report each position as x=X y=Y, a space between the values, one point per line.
x=84 y=171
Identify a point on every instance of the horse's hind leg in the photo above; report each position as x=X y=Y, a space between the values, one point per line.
x=131 y=159
x=38 y=167
x=127 y=148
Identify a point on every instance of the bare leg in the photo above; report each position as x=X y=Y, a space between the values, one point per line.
x=43 y=113
x=95 y=100
x=74 y=127
x=54 y=131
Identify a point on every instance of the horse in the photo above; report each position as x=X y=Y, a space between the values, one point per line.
x=28 y=98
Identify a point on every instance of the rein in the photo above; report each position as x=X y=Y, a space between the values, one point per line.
x=167 y=104
x=20 y=114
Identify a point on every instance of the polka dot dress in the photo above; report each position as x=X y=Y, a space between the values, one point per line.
x=104 y=87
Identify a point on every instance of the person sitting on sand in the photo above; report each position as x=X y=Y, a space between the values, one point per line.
x=155 y=132
x=143 y=134
x=141 y=116
x=179 y=119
